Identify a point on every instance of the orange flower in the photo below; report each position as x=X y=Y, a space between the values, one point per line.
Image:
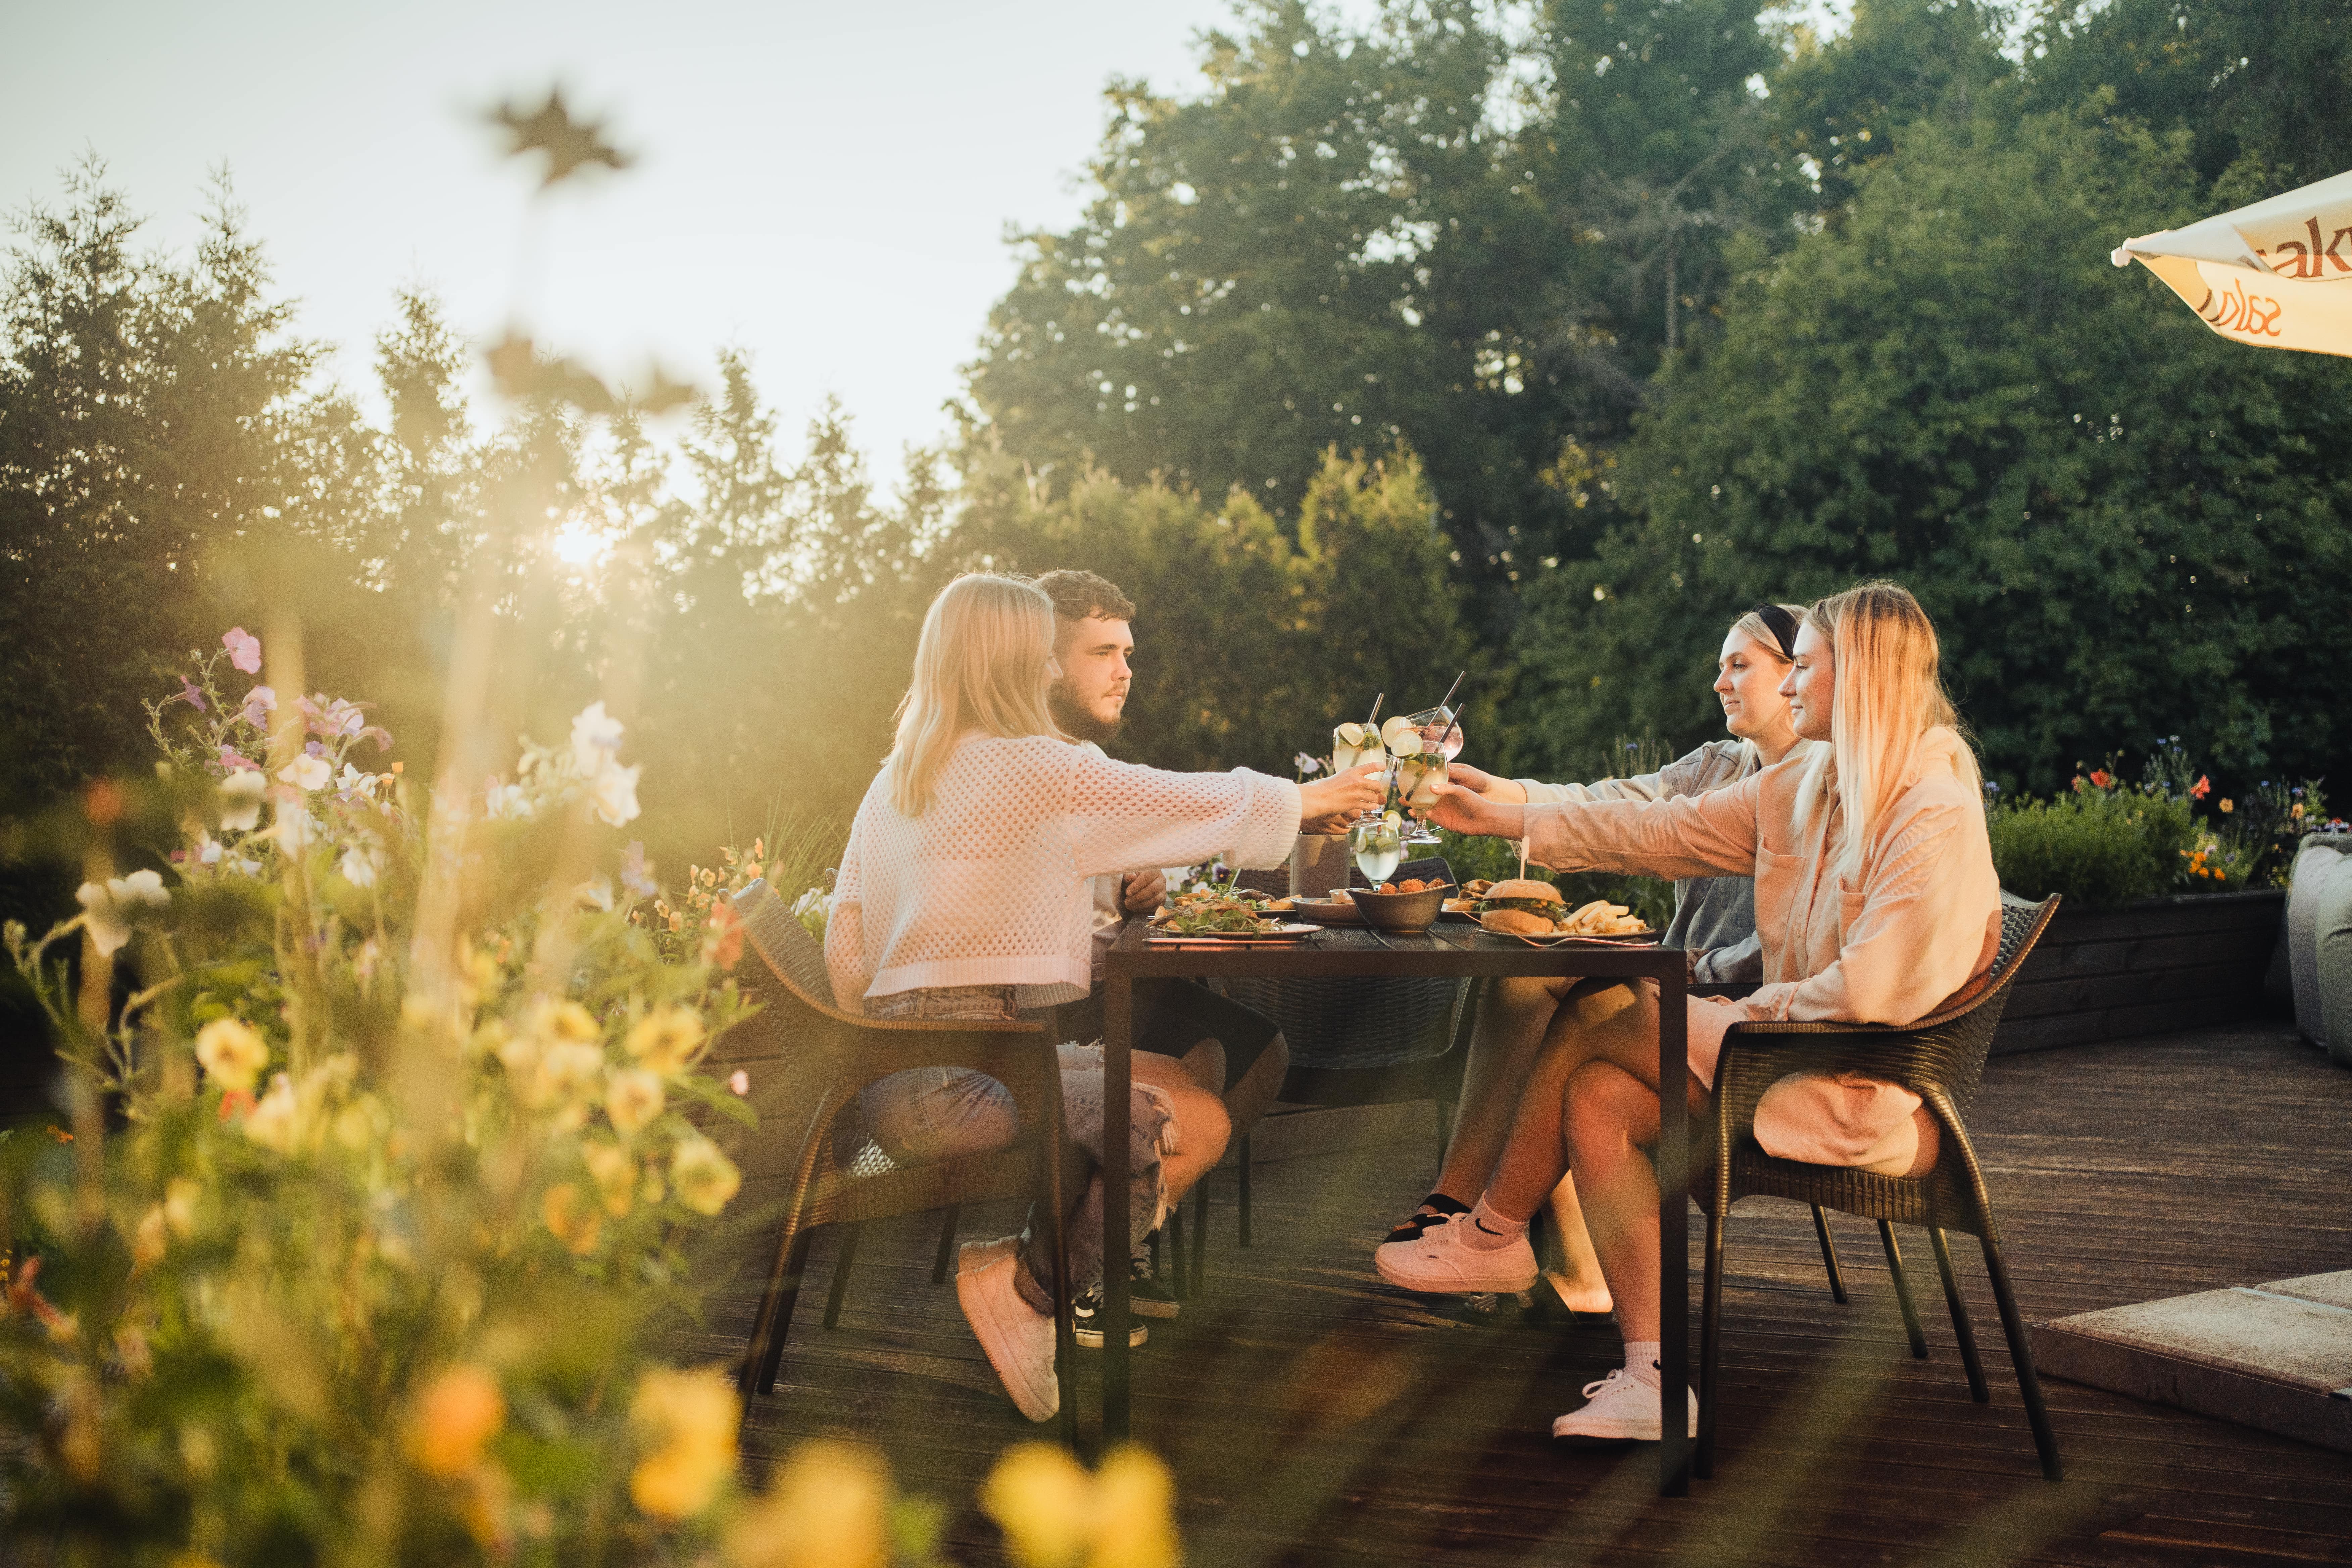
x=572 y=1217
x=459 y=1413
x=2102 y=778
x=2201 y=788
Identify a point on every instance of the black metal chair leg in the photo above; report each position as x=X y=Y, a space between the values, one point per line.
x=1055 y=1147
x=947 y=1245
x=766 y=1352
x=1199 y=1235
x=1960 y=1328
x=842 y=1262
x=2020 y=1352
x=1174 y=1228
x=1829 y=1255
x=1248 y=1158
x=1911 y=1324
x=1710 y=1346
x=1445 y=1126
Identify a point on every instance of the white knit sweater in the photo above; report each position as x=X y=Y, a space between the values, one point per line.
x=990 y=887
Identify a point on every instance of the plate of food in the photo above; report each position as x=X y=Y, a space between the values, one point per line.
x=1465 y=906
x=1535 y=913
x=1338 y=909
x=1196 y=917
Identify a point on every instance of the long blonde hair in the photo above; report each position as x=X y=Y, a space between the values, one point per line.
x=980 y=664
x=1888 y=694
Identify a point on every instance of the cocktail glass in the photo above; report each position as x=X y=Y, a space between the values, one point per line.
x=1378 y=845
x=1353 y=744
x=1423 y=744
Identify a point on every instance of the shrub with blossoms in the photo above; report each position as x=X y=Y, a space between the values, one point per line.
x=380 y=1176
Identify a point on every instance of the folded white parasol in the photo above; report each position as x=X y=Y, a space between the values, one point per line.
x=2277 y=274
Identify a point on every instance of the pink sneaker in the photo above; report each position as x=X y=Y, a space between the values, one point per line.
x=1017 y=1338
x=1441 y=1261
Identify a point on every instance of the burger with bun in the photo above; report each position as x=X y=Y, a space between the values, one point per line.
x=1522 y=908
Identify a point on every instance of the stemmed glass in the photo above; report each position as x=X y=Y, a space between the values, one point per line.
x=1421 y=746
x=1378 y=844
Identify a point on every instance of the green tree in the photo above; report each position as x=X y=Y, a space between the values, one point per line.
x=148 y=411
x=2125 y=527
x=2268 y=79
x=1250 y=644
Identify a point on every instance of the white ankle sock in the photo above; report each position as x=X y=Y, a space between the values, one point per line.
x=1642 y=1361
x=1488 y=1230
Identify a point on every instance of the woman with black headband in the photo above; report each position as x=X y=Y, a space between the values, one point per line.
x=1715 y=921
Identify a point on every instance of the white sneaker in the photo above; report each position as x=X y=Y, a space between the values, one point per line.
x=1621 y=1409
x=1017 y=1338
x=1441 y=1260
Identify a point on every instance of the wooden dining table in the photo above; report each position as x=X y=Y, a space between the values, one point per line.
x=1451 y=950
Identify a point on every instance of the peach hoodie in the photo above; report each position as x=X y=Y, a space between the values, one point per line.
x=1921 y=926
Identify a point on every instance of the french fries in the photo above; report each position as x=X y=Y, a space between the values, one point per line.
x=1601 y=918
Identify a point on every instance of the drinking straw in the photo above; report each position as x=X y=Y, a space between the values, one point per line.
x=1383 y=697
x=1446 y=701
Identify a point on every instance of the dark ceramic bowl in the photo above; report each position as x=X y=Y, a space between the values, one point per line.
x=1408 y=914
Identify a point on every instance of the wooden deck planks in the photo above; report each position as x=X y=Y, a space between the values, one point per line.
x=1314 y=1416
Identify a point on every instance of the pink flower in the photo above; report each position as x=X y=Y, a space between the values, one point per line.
x=190 y=694
x=234 y=761
x=259 y=702
x=739 y=1083
x=244 y=650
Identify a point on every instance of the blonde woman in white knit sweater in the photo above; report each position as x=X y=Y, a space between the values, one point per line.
x=965 y=891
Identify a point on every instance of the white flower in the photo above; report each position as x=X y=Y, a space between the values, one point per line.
x=107 y=908
x=307 y=773
x=140 y=887
x=241 y=795
x=270 y=1122
x=100 y=917
x=357 y=866
x=595 y=895
x=205 y=850
x=294 y=828
x=507 y=801
x=614 y=793
x=351 y=782
x=595 y=740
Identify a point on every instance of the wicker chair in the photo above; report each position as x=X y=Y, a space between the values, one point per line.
x=1941 y=1059
x=1363 y=1042
x=834 y=1176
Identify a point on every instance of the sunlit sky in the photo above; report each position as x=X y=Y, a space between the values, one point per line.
x=826 y=186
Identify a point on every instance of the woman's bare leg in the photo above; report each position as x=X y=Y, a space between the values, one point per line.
x=1512 y=1018
x=1618 y=1024
x=1579 y=1282
x=1612 y=1121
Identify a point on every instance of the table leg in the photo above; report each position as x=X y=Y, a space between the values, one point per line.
x=1118 y=996
x=1674 y=1207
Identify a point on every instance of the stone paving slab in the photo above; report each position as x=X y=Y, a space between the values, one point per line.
x=2277 y=1356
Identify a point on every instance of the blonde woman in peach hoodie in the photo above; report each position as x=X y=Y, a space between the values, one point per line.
x=1877 y=902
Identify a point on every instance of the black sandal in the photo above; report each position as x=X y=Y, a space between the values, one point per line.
x=1411 y=1229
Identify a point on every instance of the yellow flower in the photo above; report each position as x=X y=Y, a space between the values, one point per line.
x=565 y=1021
x=148 y=1243
x=615 y=1175
x=180 y=1195
x=270 y=1122
x=455 y=1417
x=2226 y=807
x=665 y=1039
x=633 y=1100
x=567 y=1074
x=828 y=1507
x=702 y=1175
x=1054 y=1515
x=572 y=1218
x=232 y=1051
x=685 y=1424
